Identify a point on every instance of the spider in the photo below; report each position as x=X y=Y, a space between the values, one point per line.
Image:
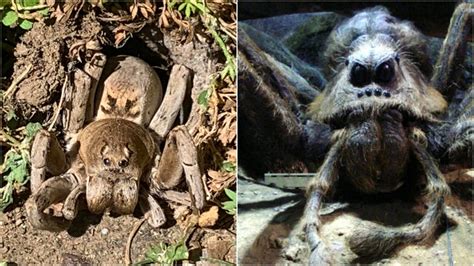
x=381 y=114
x=114 y=156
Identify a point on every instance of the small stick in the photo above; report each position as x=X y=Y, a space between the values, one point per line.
x=61 y=100
x=136 y=227
x=15 y=82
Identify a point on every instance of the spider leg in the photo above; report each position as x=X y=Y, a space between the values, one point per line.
x=270 y=111
x=149 y=205
x=179 y=155
x=182 y=198
x=164 y=118
x=460 y=134
x=47 y=156
x=318 y=188
x=78 y=99
x=452 y=55
x=168 y=171
x=376 y=241
x=53 y=190
x=70 y=207
x=94 y=69
x=189 y=161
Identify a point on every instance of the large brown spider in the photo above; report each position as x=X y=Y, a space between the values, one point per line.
x=115 y=157
x=378 y=118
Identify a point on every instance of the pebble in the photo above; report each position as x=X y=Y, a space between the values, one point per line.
x=18 y=222
x=3 y=219
x=104 y=231
x=3 y=250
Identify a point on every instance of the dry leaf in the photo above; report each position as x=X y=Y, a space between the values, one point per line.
x=133 y=11
x=209 y=218
x=214 y=174
x=144 y=12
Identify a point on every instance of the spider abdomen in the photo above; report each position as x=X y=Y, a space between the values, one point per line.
x=376 y=153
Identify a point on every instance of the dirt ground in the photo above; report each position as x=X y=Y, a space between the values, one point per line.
x=271 y=231
x=94 y=239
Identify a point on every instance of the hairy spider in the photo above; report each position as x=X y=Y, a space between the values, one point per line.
x=383 y=113
x=115 y=160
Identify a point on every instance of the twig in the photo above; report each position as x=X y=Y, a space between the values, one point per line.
x=61 y=100
x=136 y=227
x=15 y=82
x=217 y=261
x=9 y=138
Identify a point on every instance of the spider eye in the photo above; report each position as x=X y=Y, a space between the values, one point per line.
x=384 y=72
x=123 y=163
x=360 y=75
x=106 y=161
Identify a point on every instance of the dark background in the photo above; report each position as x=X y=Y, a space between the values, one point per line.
x=431 y=18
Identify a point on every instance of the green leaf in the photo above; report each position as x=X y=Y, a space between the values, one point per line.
x=11 y=162
x=231 y=194
x=231 y=205
x=9 y=18
x=203 y=98
x=6 y=197
x=228 y=166
x=187 y=11
x=17 y=168
x=173 y=3
x=166 y=254
x=44 y=11
x=200 y=6
x=20 y=173
x=32 y=129
x=11 y=115
x=26 y=24
x=181 y=253
x=182 y=6
x=29 y=3
x=4 y=3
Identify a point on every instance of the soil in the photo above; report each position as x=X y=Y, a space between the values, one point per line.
x=102 y=239
x=271 y=228
x=46 y=50
x=96 y=239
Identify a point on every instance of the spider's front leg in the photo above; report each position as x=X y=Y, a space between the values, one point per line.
x=324 y=181
x=53 y=190
x=47 y=158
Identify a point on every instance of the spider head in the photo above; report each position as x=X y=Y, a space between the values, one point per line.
x=115 y=159
x=376 y=63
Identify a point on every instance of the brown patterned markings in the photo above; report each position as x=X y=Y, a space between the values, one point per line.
x=121 y=106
